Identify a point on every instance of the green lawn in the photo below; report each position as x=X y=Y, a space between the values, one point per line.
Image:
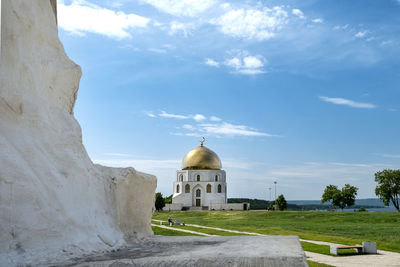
x=339 y=227
x=162 y=231
x=317 y=264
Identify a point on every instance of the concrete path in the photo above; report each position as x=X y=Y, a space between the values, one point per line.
x=181 y=230
x=383 y=258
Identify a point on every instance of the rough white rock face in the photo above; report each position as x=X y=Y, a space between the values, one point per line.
x=53 y=200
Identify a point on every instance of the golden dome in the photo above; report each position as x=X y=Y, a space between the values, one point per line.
x=201 y=158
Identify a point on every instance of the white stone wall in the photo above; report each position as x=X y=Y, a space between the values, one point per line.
x=54 y=202
x=173 y=207
x=189 y=177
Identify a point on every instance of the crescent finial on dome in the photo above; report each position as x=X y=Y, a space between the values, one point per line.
x=202 y=142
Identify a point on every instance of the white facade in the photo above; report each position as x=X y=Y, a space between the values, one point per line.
x=199 y=188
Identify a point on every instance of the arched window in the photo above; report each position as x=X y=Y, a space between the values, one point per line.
x=216 y=178
x=198 y=177
x=177 y=188
x=219 y=188
x=187 y=188
x=198 y=193
x=181 y=178
x=208 y=188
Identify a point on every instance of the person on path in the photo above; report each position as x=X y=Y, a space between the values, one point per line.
x=170 y=221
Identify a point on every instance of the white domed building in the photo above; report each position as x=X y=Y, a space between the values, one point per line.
x=201 y=183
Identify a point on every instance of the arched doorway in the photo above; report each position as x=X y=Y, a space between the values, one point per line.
x=198 y=197
x=197 y=194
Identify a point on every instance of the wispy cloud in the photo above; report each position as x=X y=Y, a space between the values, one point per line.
x=82 y=17
x=298 y=13
x=229 y=129
x=318 y=20
x=212 y=126
x=157 y=50
x=340 y=27
x=199 y=117
x=172 y=116
x=361 y=34
x=214 y=118
x=211 y=62
x=257 y=24
x=188 y=8
x=151 y=115
x=163 y=114
x=176 y=27
x=347 y=102
x=244 y=63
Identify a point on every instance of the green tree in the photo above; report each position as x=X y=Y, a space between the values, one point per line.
x=281 y=203
x=348 y=196
x=168 y=200
x=340 y=198
x=271 y=205
x=332 y=195
x=388 y=188
x=160 y=203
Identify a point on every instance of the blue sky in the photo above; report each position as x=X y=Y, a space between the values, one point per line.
x=302 y=92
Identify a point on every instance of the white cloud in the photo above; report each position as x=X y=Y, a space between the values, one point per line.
x=252 y=23
x=318 y=20
x=385 y=43
x=244 y=63
x=214 y=118
x=234 y=63
x=199 y=117
x=172 y=116
x=298 y=13
x=190 y=8
x=212 y=63
x=347 y=102
x=188 y=127
x=361 y=34
x=229 y=129
x=251 y=62
x=151 y=115
x=82 y=17
x=196 y=117
x=176 y=27
x=340 y=27
x=216 y=128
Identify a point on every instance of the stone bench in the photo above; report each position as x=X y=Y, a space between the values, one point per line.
x=366 y=248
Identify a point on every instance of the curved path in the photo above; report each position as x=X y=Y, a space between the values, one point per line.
x=383 y=258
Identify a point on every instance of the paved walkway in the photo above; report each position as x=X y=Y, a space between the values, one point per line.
x=180 y=230
x=383 y=258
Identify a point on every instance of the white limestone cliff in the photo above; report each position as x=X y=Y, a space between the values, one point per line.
x=54 y=202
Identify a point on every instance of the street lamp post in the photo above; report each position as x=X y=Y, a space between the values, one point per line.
x=275 y=182
x=270 y=194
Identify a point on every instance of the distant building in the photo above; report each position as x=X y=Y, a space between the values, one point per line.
x=201 y=183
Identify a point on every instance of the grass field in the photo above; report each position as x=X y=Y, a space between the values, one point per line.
x=339 y=227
